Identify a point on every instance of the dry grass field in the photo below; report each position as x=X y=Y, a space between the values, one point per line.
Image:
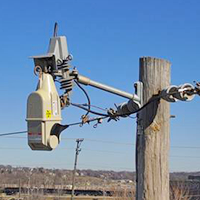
x=58 y=198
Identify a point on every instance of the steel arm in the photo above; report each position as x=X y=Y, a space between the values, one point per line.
x=86 y=81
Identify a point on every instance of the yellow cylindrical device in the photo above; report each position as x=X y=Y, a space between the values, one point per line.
x=43 y=111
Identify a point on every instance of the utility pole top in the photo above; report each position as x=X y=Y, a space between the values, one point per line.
x=152 y=144
x=80 y=140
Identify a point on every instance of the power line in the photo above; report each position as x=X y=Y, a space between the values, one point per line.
x=196 y=157
x=131 y=144
x=12 y=133
x=97 y=107
x=14 y=137
x=90 y=140
x=115 y=115
x=83 y=149
x=103 y=166
x=24 y=148
x=109 y=142
x=103 y=151
x=104 y=109
x=186 y=147
x=96 y=150
x=103 y=141
x=155 y=98
x=88 y=110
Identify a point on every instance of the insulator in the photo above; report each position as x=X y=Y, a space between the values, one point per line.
x=182 y=94
x=63 y=65
x=168 y=94
x=127 y=108
x=66 y=84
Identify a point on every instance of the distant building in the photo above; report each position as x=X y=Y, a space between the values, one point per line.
x=191 y=177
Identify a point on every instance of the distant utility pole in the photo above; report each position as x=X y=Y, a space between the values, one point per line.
x=75 y=164
x=152 y=148
x=19 y=188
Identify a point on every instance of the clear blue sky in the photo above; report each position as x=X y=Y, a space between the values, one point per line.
x=106 y=38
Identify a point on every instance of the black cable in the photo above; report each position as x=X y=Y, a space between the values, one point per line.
x=138 y=110
x=13 y=133
x=115 y=115
x=121 y=115
x=87 y=96
x=155 y=98
x=104 y=116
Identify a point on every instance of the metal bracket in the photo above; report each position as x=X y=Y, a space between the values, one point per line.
x=127 y=108
x=139 y=91
x=57 y=53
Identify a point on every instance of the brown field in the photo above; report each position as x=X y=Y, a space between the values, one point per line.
x=57 y=198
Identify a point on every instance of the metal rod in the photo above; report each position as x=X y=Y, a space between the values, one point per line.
x=86 y=81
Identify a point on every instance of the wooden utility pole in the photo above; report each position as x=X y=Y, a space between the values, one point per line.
x=152 y=148
x=78 y=141
x=19 y=188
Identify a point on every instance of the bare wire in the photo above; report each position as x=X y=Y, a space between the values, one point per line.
x=86 y=109
x=88 y=121
x=72 y=124
x=12 y=133
x=103 y=116
x=97 y=107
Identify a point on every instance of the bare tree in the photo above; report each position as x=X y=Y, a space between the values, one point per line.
x=179 y=191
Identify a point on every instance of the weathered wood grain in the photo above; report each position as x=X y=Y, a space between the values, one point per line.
x=152 y=148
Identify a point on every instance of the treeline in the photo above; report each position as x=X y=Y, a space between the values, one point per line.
x=42 y=176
